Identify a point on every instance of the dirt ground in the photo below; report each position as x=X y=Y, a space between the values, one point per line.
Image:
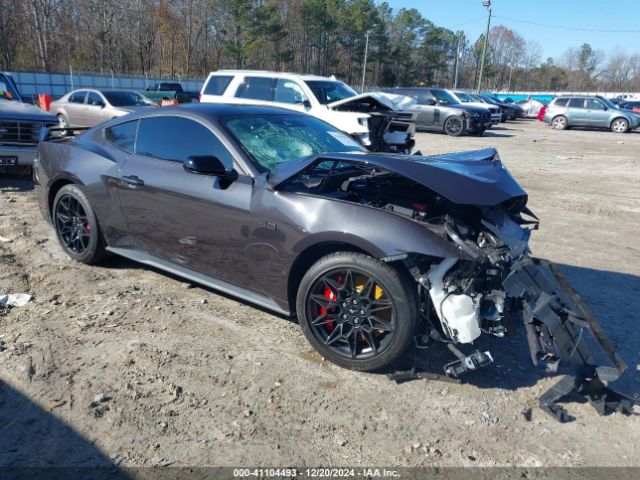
x=123 y=364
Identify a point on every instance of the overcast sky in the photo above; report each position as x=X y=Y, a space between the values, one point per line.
x=471 y=16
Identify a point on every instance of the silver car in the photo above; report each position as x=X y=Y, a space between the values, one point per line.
x=587 y=111
x=89 y=107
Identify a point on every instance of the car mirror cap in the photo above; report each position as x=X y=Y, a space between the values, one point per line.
x=208 y=165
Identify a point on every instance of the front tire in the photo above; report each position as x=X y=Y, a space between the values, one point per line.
x=356 y=311
x=620 y=125
x=76 y=226
x=454 y=126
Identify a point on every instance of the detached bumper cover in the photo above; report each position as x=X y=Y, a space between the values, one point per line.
x=557 y=322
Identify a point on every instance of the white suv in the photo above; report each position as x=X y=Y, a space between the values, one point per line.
x=376 y=119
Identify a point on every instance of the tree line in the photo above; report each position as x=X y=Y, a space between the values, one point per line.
x=189 y=38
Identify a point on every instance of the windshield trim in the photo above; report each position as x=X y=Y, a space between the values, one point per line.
x=323 y=101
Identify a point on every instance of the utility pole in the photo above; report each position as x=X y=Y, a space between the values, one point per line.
x=364 y=65
x=457 y=64
x=511 y=72
x=487 y=4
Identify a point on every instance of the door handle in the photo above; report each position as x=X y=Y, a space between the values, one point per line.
x=132 y=180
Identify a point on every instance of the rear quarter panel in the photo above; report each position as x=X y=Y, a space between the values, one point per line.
x=92 y=168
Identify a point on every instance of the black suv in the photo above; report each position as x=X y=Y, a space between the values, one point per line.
x=437 y=110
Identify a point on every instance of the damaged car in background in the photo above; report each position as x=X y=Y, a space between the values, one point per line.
x=376 y=254
x=380 y=121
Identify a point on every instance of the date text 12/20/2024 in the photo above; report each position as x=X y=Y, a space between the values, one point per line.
x=315 y=473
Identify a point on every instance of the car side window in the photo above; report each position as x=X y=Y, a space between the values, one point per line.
x=288 y=91
x=561 y=102
x=217 y=84
x=78 y=97
x=122 y=135
x=576 y=103
x=423 y=98
x=257 y=88
x=177 y=138
x=594 y=104
x=95 y=100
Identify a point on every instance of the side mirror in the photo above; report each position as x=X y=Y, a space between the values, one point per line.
x=431 y=102
x=209 y=165
x=300 y=100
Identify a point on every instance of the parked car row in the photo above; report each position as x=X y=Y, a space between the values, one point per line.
x=380 y=121
x=457 y=112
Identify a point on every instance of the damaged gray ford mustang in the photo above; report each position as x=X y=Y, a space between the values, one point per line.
x=374 y=253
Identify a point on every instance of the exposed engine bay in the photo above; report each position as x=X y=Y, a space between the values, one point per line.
x=493 y=284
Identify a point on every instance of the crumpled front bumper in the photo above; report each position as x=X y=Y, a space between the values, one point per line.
x=557 y=323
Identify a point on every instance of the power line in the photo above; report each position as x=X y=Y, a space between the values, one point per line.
x=560 y=27
x=467 y=23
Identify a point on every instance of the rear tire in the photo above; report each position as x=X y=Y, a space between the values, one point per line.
x=356 y=311
x=454 y=126
x=76 y=226
x=620 y=125
x=560 y=122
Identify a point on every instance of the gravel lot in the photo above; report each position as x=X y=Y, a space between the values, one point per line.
x=124 y=364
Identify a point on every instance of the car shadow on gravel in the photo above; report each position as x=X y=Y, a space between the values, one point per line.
x=118 y=262
x=492 y=134
x=35 y=444
x=613 y=297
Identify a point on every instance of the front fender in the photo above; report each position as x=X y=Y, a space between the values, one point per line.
x=378 y=232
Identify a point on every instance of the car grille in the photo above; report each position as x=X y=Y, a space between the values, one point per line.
x=21 y=132
x=485 y=116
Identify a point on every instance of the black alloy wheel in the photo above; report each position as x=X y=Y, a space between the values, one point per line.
x=72 y=224
x=357 y=311
x=351 y=313
x=454 y=126
x=77 y=226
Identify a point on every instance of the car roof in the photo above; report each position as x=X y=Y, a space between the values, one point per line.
x=110 y=90
x=102 y=90
x=273 y=74
x=214 y=111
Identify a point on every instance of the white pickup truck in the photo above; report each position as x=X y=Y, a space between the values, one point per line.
x=20 y=125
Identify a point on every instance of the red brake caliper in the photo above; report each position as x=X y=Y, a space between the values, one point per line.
x=330 y=295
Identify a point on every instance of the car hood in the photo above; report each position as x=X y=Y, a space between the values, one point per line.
x=388 y=100
x=471 y=107
x=479 y=106
x=475 y=177
x=24 y=111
